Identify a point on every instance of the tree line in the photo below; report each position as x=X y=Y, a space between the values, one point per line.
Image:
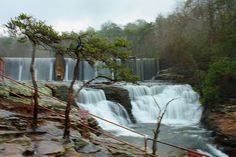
x=191 y=40
x=197 y=40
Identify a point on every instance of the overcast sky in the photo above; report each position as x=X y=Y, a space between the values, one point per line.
x=67 y=15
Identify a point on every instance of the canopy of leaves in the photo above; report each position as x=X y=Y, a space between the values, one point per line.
x=26 y=27
x=220 y=81
x=95 y=48
x=190 y=40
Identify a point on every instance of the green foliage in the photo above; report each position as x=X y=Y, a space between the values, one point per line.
x=25 y=27
x=96 y=48
x=220 y=81
x=138 y=33
x=111 y=31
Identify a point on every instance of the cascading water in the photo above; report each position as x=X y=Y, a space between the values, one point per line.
x=181 y=118
x=185 y=109
x=94 y=100
x=18 y=68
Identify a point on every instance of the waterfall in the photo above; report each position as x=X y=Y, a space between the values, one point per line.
x=94 y=100
x=18 y=68
x=51 y=71
x=20 y=72
x=43 y=66
x=185 y=109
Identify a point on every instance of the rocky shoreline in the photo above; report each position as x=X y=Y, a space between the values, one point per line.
x=17 y=139
x=16 y=115
x=221 y=119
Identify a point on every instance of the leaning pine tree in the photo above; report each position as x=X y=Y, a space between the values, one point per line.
x=27 y=28
x=87 y=46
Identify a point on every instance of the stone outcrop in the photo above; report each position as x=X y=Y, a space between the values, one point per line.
x=17 y=138
x=119 y=95
x=58 y=90
x=221 y=118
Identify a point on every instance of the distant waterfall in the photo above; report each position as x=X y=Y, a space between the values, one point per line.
x=186 y=109
x=18 y=68
x=94 y=100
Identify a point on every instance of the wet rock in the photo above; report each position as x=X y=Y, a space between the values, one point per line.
x=58 y=90
x=23 y=141
x=12 y=150
x=119 y=95
x=49 y=147
x=44 y=90
x=115 y=148
x=94 y=124
x=2 y=148
x=7 y=127
x=221 y=118
x=28 y=152
x=6 y=114
x=52 y=104
x=20 y=90
x=73 y=153
x=80 y=143
x=51 y=128
x=19 y=123
x=4 y=91
x=90 y=148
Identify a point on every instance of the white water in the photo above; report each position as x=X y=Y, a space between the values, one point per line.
x=94 y=100
x=213 y=150
x=45 y=68
x=216 y=151
x=185 y=109
x=51 y=71
x=20 y=72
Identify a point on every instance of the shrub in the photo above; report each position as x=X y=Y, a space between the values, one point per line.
x=220 y=81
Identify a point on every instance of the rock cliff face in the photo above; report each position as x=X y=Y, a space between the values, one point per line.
x=118 y=95
x=221 y=118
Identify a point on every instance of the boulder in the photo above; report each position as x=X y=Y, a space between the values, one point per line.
x=49 y=148
x=221 y=118
x=58 y=90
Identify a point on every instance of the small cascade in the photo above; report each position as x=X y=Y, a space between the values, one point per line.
x=19 y=68
x=185 y=109
x=43 y=66
x=20 y=72
x=51 y=71
x=94 y=100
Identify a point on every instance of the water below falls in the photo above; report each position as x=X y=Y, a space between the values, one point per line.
x=180 y=123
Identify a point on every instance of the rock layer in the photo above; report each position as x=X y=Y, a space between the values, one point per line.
x=221 y=118
x=119 y=95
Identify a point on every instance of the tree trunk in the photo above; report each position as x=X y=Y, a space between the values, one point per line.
x=211 y=35
x=35 y=95
x=70 y=101
x=155 y=137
